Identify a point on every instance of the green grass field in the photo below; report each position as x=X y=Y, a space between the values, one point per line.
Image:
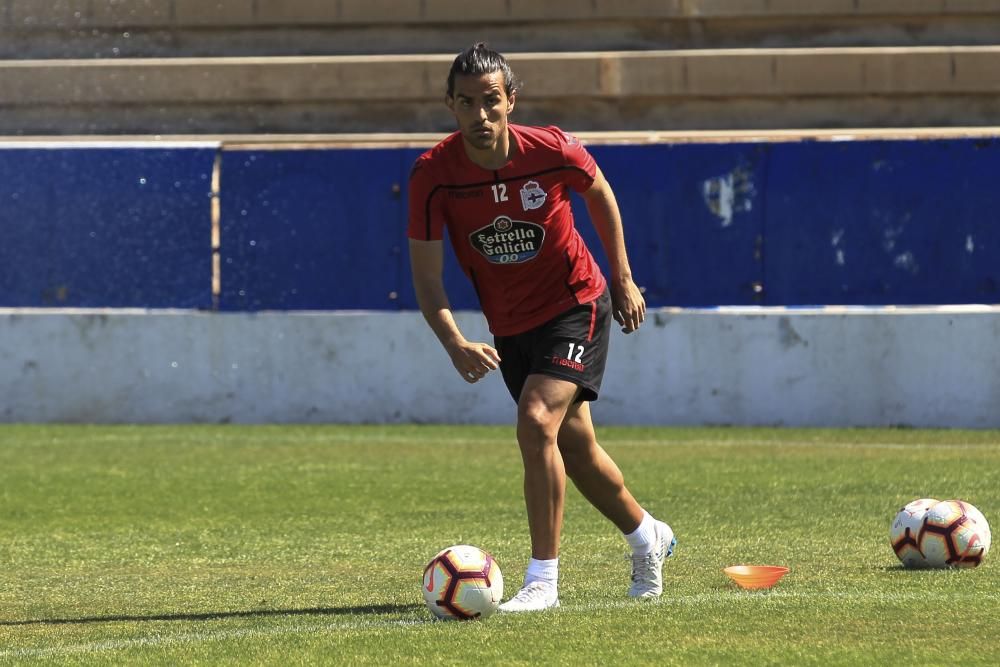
x=305 y=545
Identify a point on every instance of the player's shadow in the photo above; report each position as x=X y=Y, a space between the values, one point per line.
x=360 y=610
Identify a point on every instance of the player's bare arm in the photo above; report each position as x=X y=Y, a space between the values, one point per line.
x=628 y=304
x=472 y=360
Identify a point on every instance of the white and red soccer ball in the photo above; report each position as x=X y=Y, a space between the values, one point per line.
x=462 y=583
x=932 y=533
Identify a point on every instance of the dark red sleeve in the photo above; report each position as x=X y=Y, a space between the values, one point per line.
x=582 y=176
x=426 y=220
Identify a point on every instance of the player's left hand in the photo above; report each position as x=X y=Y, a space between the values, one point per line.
x=628 y=306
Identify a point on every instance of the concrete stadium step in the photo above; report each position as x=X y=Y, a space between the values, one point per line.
x=710 y=89
x=34 y=29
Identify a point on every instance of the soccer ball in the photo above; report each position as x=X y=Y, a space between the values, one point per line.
x=905 y=530
x=462 y=582
x=954 y=533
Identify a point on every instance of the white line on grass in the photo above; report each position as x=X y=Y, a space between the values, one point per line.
x=614 y=442
x=159 y=640
x=805 y=444
x=273 y=437
x=721 y=597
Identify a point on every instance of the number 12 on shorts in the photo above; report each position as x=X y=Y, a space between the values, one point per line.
x=575 y=353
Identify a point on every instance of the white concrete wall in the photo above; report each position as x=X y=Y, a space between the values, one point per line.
x=823 y=367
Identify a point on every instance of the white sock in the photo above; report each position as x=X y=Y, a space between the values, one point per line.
x=642 y=538
x=542 y=570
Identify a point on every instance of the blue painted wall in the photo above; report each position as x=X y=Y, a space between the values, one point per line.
x=866 y=222
x=106 y=227
x=313 y=229
x=799 y=223
x=693 y=219
x=883 y=222
x=320 y=229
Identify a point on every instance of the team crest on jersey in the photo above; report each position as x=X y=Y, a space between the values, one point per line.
x=532 y=195
x=570 y=139
x=507 y=241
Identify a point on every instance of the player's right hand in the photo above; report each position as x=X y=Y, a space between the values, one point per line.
x=474 y=360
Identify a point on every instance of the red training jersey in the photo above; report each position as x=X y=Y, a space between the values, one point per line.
x=511 y=228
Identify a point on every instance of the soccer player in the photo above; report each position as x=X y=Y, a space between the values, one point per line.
x=502 y=193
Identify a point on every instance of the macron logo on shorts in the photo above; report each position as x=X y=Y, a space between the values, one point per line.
x=569 y=363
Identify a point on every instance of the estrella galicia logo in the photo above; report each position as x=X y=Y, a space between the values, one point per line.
x=507 y=241
x=532 y=195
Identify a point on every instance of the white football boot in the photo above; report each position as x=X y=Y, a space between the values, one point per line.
x=647 y=569
x=535 y=596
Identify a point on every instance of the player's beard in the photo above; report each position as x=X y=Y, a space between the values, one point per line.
x=483 y=137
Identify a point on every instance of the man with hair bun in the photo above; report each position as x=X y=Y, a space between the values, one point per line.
x=501 y=191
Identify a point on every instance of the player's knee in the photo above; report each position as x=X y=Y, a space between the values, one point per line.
x=537 y=426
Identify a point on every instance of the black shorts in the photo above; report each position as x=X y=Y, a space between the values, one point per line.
x=572 y=346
